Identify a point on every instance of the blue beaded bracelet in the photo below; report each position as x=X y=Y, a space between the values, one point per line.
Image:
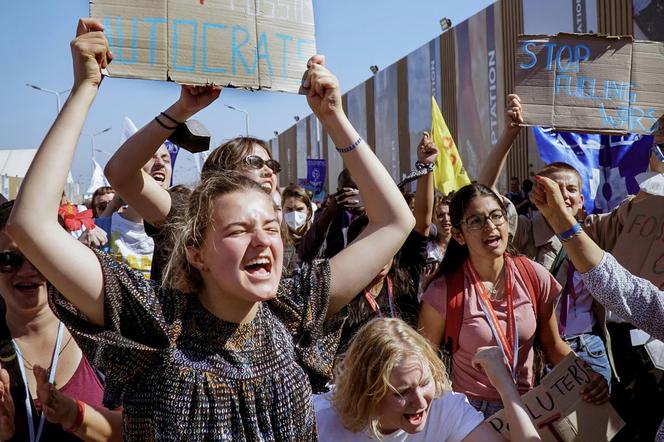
x=349 y=148
x=568 y=234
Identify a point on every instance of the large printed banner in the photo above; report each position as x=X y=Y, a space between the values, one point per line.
x=253 y=44
x=587 y=83
x=558 y=411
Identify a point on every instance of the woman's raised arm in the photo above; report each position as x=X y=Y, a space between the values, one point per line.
x=390 y=219
x=69 y=265
x=124 y=169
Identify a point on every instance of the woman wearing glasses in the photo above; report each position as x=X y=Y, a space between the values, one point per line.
x=37 y=351
x=495 y=298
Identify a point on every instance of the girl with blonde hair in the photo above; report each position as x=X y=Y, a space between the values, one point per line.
x=391 y=385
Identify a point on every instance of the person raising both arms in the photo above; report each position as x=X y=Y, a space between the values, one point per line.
x=223 y=349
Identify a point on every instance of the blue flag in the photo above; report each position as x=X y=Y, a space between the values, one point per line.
x=173 y=151
x=608 y=164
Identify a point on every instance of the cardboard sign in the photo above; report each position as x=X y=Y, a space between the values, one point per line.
x=558 y=411
x=252 y=44
x=587 y=83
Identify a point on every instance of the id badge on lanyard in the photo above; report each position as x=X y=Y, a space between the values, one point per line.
x=51 y=377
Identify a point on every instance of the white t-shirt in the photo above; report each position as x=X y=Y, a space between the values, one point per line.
x=130 y=244
x=451 y=418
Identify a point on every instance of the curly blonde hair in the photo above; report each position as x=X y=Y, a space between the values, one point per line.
x=189 y=228
x=362 y=374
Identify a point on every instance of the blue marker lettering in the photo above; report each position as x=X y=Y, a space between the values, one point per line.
x=154 y=21
x=204 y=65
x=559 y=77
x=632 y=123
x=607 y=118
x=559 y=57
x=300 y=43
x=117 y=47
x=651 y=116
x=264 y=53
x=236 y=53
x=526 y=51
x=284 y=53
x=194 y=26
x=578 y=58
x=549 y=63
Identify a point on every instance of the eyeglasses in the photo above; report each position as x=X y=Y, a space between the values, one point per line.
x=256 y=162
x=10 y=261
x=477 y=222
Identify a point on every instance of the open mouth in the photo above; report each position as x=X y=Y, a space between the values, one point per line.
x=28 y=287
x=267 y=185
x=260 y=267
x=159 y=176
x=415 y=419
x=493 y=241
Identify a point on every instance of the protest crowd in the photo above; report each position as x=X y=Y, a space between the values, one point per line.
x=240 y=309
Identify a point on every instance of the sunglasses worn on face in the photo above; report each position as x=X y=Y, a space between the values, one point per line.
x=477 y=222
x=256 y=162
x=10 y=262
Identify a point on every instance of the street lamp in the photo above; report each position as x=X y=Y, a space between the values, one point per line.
x=92 y=138
x=246 y=117
x=374 y=69
x=445 y=24
x=57 y=94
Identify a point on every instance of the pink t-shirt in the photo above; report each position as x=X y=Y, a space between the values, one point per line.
x=475 y=330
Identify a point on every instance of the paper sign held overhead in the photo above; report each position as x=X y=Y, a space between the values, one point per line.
x=559 y=413
x=252 y=44
x=589 y=83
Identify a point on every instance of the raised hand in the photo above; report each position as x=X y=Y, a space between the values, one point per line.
x=549 y=200
x=58 y=408
x=426 y=150
x=90 y=53
x=7 y=428
x=322 y=87
x=492 y=361
x=195 y=98
x=513 y=113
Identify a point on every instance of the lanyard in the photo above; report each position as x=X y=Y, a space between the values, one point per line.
x=51 y=377
x=390 y=299
x=509 y=344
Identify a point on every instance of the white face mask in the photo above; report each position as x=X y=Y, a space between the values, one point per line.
x=295 y=220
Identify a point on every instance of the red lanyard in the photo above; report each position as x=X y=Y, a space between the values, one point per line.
x=508 y=344
x=390 y=299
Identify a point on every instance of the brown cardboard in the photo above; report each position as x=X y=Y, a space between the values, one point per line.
x=558 y=411
x=590 y=83
x=225 y=42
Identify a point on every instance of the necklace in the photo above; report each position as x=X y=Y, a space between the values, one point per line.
x=29 y=365
x=493 y=291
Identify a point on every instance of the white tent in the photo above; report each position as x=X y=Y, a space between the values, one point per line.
x=14 y=164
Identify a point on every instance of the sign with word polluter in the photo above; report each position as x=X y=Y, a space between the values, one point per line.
x=251 y=44
x=558 y=411
x=590 y=83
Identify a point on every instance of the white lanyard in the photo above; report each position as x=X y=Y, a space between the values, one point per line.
x=51 y=377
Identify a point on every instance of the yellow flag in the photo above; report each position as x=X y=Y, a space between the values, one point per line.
x=449 y=173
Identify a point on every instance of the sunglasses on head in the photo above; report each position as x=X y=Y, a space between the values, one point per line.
x=10 y=261
x=256 y=162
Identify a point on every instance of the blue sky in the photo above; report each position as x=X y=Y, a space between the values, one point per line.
x=34 y=48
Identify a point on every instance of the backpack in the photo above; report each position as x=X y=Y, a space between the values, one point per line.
x=455 y=281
